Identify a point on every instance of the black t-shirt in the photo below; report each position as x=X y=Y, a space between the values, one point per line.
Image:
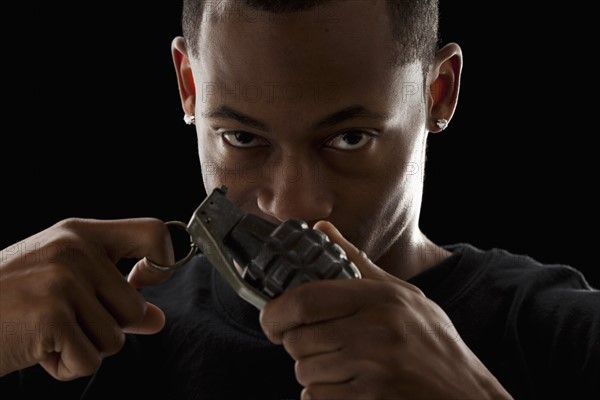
x=536 y=328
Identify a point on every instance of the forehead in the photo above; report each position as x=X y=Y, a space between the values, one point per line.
x=338 y=51
x=328 y=32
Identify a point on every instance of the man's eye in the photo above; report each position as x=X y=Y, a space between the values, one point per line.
x=350 y=140
x=243 y=139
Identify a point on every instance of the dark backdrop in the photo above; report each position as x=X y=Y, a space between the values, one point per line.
x=93 y=126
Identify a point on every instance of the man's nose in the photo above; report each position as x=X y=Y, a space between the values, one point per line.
x=296 y=190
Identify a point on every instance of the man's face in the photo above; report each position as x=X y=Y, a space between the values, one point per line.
x=302 y=115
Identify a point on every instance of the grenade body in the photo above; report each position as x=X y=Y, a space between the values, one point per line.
x=273 y=257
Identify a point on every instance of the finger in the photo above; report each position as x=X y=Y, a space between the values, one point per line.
x=366 y=267
x=346 y=391
x=142 y=274
x=328 y=368
x=127 y=305
x=99 y=325
x=310 y=340
x=74 y=356
x=120 y=299
x=135 y=238
x=318 y=301
x=152 y=322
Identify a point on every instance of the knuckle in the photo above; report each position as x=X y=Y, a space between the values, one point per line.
x=59 y=280
x=302 y=297
x=264 y=315
x=361 y=387
x=49 y=323
x=156 y=232
x=291 y=340
x=89 y=367
x=309 y=392
x=156 y=229
x=72 y=224
x=392 y=293
x=85 y=365
x=306 y=371
x=115 y=342
x=54 y=315
x=300 y=371
x=381 y=334
x=134 y=313
x=362 y=257
x=68 y=246
x=418 y=291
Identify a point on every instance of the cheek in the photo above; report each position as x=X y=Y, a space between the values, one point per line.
x=211 y=161
x=219 y=167
x=205 y=144
x=375 y=210
x=379 y=224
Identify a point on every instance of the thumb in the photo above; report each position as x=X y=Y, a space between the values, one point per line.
x=367 y=268
x=142 y=274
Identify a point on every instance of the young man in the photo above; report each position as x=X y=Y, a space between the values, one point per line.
x=317 y=110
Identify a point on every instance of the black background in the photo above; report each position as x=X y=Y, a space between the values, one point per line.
x=93 y=126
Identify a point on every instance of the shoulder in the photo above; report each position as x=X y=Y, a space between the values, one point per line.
x=516 y=270
x=522 y=315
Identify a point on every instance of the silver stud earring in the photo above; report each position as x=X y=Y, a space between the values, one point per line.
x=189 y=119
x=442 y=123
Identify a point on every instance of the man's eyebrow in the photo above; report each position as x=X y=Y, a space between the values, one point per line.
x=348 y=113
x=227 y=112
x=334 y=118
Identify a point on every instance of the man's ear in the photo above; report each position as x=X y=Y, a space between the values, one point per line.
x=444 y=84
x=185 y=79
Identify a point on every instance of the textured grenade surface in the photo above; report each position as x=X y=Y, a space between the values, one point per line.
x=294 y=254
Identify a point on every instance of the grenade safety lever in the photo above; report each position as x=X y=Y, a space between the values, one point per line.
x=271 y=258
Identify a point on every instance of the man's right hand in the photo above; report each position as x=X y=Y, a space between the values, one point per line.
x=63 y=302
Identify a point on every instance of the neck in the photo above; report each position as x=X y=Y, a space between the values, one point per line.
x=411 y=255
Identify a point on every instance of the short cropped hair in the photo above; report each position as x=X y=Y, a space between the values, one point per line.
x=414 y=23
